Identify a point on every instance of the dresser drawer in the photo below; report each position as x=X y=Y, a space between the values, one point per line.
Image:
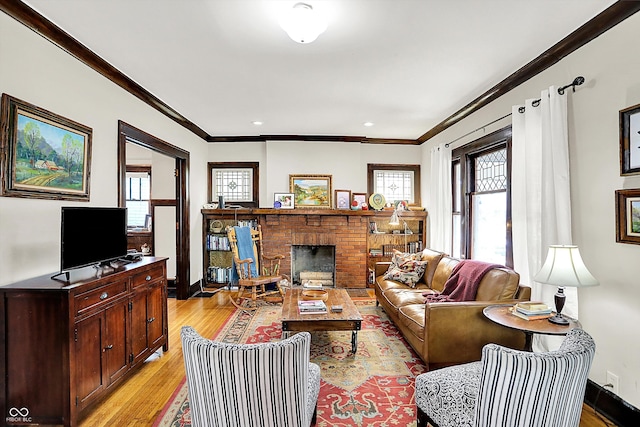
x=100 y=295
x=148 y=276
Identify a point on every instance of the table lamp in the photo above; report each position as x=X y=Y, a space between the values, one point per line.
x=564 y=267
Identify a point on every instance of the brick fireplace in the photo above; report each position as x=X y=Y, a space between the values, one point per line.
x=347 y=233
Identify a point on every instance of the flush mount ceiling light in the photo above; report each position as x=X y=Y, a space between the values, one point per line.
x=302 y=23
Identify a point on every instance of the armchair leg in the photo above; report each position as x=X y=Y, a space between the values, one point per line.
x=424 y=420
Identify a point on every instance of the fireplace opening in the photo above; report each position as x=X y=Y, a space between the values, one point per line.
x=313 y=264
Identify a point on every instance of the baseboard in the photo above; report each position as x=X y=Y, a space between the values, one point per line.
x=611 y=406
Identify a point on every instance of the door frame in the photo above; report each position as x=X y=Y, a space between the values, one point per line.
x=128 y=133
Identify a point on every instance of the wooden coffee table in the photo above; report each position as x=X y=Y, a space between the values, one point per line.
x=349 y=319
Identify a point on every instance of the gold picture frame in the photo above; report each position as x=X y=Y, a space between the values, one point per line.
x=628 y=216
x=46 y=156
x=311 y=191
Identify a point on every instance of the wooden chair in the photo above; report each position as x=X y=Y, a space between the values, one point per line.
x=255 y=270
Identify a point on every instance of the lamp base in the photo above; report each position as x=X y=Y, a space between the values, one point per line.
x=558 y=319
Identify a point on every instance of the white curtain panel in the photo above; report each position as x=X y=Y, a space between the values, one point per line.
x=540 y=195
x=440 y=211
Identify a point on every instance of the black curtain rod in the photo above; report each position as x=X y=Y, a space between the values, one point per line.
x=576 y=82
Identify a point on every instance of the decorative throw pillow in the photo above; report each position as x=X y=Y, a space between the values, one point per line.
x=406 y=268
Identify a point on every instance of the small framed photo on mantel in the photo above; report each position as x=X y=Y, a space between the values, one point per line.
x=283 y=201
x=343 y=199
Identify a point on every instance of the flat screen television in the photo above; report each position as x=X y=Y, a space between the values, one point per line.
x=91 y=236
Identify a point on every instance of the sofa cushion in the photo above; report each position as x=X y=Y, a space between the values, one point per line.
x=384 y=285
x=498 y=284
x=412 y=318
x=406 y=269
x=442 y=273
x=401 y=297
x=433 y=259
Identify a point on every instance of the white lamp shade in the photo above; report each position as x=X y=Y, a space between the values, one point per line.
x=564 y=267
x=302 y=23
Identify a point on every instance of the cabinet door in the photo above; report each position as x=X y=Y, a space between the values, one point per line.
x=139 y=340
x=114 y=345
x=155 y=309
x=88 y=337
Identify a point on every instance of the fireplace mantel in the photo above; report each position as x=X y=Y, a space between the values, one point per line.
x=347 y=230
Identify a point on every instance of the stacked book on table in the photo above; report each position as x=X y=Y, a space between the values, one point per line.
x=312 y=307
x=531 y=310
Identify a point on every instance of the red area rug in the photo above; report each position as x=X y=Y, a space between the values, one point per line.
x=374 y=387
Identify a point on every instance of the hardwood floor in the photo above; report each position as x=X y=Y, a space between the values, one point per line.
x=139 y=400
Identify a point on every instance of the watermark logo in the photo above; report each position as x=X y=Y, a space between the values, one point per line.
x=17 y=415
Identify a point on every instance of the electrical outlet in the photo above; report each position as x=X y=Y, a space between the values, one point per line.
x=613 y=380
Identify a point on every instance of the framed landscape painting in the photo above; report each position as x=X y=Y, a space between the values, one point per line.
x=311 y=191
x=47 y=156
x=628 y=216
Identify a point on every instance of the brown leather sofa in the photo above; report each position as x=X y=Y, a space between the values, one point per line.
x=449 y=333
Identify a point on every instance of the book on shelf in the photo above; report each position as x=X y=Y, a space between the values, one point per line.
x=312 y=307
x=524 y=316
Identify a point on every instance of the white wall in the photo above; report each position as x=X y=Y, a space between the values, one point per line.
x=345 y=162
x=36 y=71
x=611 y=311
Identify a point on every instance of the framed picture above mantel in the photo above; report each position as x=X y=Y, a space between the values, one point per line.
x=47 y=156
x=311 y=191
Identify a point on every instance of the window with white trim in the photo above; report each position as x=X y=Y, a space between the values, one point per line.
x=138 y=196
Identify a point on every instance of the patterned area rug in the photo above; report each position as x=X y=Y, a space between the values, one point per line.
x=374 y=387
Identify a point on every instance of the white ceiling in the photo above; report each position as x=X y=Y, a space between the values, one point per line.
x=405 y=65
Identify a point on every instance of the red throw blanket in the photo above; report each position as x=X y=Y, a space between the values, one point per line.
x=463 y=283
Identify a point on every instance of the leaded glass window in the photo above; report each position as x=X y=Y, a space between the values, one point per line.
x=235 y=185
x=394 y=184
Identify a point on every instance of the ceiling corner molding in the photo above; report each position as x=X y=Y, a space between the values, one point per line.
x=312 y=138
x=47 y=29
x=607 y=19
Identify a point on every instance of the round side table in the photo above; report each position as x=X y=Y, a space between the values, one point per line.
x=501 y=315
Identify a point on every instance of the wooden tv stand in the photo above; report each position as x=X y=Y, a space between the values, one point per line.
x=64 y=344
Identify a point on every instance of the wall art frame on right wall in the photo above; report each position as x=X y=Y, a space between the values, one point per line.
x=628 y=216
x=630 y=141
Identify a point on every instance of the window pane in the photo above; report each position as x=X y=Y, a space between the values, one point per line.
x=489 y=227
x=145 y=188
x=135 y=188
x=236 y=185
x=491 y=171
x=456 y=248
x=456 y=183
x=137 y=212
x=394 y=185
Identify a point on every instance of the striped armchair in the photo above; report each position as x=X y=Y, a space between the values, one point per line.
x=509 y=388
x=266 y=384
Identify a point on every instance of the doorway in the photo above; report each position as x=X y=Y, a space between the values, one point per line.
x=130 y=134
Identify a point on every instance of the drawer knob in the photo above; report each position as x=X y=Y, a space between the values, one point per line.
x=104 y=296
x=109 y=347
x=151 y=319
x=147 y=278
